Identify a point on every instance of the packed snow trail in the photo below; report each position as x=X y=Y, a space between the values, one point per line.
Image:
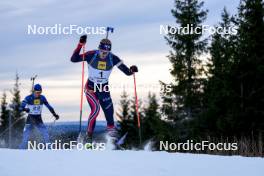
x=124 y=163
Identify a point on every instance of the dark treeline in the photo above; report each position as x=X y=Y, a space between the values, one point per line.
x=152 y=126
x=218 y=98
x=17 y=118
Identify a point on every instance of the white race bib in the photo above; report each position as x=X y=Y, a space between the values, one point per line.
x=35 y=109
x=98 y=76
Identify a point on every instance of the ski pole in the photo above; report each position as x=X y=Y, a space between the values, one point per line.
x=81 y=103
x=52 y=124
x=109 y=29
x=33 y=80
x=138 y=117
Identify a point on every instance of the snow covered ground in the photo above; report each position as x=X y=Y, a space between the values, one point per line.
x=124 y=163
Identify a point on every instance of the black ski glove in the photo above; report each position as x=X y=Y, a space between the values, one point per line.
x=83 y=39
x=25 y=109
x=133 y=69
x=56 y=116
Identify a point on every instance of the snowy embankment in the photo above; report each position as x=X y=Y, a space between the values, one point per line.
x=123 y=163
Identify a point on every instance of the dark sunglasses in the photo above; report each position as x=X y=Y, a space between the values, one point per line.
x=104 y=52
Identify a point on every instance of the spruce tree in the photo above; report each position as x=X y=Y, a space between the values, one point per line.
x=4 y=117
x=235 y=88
x=128 y=117
x=218 y=92
x=126 y=120
x=18 y=119
x=184 y=101
x=152 y=122
x=248 y=81
x=134 y=132
x=123 y=115
x=124 y=106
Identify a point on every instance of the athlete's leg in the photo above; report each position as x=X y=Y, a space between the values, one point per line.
x=108 y=108
x=26 y=133
x=44 y=132
x=95 y=108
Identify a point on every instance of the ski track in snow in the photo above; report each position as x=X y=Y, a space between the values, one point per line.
x=124 y=163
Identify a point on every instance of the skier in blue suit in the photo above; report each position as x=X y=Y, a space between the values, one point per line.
x=33 y=104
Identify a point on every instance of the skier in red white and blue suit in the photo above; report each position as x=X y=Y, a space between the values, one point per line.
x=100 y=64
x=32 y=104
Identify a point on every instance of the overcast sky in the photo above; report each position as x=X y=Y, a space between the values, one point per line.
x=136 y=40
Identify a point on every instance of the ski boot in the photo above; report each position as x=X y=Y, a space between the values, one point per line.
x=111 y=137
x=88 y=141
x=112 y=132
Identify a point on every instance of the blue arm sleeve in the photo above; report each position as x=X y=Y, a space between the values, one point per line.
x=23 y=104
x=77 y=57
x=125 y=69
x=119 y=63
x=45 y=102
